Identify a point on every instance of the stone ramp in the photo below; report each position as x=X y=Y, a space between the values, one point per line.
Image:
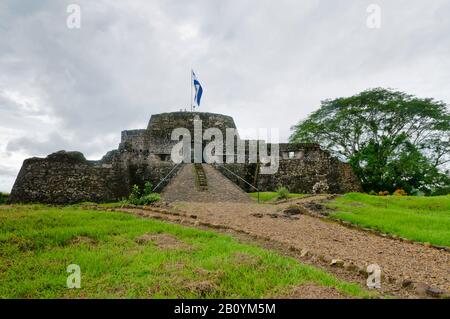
x=183 y=187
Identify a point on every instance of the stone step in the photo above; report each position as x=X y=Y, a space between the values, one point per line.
x=202 y=182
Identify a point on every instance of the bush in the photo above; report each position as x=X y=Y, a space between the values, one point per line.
x=148 y=188
x=282 y=193
x=400 y=192
x=149 y=199
x=146 y=198
x=441 y=191
x=135 y=194
x=383 y=193
x=372 y=192
x=3 y=198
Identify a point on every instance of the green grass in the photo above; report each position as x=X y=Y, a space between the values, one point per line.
x=37 y=244
x=423 y=219
x=271 y=196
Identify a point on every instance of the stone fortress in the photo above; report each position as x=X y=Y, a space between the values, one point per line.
x=67 y=177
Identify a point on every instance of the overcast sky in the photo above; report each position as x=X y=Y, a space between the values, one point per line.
x=266 y=63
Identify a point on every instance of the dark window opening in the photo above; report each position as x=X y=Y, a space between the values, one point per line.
x=163 y=157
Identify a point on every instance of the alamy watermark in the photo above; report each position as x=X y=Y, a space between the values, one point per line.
x=73 y=20
x=374 y=18
x=74 y=279
x=374 y=278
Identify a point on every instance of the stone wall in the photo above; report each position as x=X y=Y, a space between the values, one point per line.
x=155 y=172
x=310 y=177
x=310 y=170
x=156 y=139
x=63 y=178
x=247 y=172
x=162 y=125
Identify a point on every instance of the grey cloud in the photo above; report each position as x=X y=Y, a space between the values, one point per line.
x=55 y=142
x=39 y=148
x=7 y=171
x=7 y=177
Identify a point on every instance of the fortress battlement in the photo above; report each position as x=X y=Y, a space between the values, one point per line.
x=145 y=154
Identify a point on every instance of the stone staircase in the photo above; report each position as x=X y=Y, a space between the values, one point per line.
x=202 y=183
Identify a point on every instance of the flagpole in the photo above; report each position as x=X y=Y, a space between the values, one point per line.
x=191 y=90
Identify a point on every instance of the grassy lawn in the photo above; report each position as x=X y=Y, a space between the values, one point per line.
x=424 y=219
x=123 y=256
x=271 y=196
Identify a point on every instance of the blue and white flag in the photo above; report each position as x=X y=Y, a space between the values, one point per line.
x=198 y=89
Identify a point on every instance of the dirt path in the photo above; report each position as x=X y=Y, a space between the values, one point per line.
x=398 y=260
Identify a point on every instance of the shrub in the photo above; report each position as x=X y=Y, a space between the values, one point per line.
x=149 y=199
x=3 y=198
x=282 y=193
x=441 y=191
x=372 y=192
x=146 y=198
x=400 y=192
x=148 y=188
x=383 y=193
x=135 y=195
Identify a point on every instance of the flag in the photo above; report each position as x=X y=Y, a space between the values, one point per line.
x=198 y=89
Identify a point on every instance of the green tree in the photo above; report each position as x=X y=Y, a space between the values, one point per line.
x=391 y=139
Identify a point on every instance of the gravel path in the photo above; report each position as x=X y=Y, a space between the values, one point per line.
x=397 y=259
